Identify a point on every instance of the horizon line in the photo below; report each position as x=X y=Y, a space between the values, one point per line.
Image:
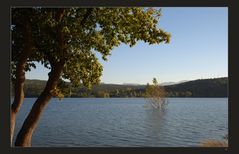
x=125 y=83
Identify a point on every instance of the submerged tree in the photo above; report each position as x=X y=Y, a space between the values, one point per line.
x=155 y=95
x=65 y=41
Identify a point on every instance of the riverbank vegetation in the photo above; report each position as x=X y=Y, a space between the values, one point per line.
x=215 y=143
x=198 y=88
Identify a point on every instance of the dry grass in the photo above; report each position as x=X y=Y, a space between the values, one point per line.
x=214 y=143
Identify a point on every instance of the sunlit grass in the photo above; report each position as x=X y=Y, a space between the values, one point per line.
x=214 y=143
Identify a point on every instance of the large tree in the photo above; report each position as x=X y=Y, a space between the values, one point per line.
x=22 y=28
x=65 y=40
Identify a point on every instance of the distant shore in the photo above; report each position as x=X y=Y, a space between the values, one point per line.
x=216 y=87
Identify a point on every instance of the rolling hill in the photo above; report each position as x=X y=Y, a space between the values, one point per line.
x=216 y=87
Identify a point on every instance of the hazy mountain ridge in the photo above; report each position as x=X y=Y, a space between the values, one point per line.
x=216 y=87
x=173 y=83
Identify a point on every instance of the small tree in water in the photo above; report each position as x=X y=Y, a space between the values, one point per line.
x=155 y=95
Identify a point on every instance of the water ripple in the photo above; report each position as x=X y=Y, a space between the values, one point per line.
x=125 y=122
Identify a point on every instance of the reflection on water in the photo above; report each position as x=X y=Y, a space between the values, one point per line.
x=124 y=122
x=155 y=122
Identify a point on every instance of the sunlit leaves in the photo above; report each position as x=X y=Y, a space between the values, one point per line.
x=56 y=92
x=102 y=30
x=84 y=69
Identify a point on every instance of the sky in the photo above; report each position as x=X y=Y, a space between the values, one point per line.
x=198 y=50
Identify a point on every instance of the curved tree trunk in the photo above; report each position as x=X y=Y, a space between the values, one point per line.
x=25 y=134
x=18 y=100
x=20 y=78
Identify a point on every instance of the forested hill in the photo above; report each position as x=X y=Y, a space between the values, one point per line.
x=217 y=87
x=200 y=88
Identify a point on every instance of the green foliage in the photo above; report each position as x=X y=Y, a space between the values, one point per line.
x=218 y=88
x=18 y=28
x=102 y=94
x=73 y=35
x=57 y=93
x=199 y=88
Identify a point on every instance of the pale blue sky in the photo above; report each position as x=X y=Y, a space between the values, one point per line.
x=198 y=49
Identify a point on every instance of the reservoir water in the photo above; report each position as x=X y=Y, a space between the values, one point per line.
x=128 y=122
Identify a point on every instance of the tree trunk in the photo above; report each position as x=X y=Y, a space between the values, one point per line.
x=18 y=100
x=20 y=78
x=25 y=134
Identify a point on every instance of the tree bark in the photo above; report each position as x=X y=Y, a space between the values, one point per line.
x=25 y=134
x=20 y=78
x=16 y=105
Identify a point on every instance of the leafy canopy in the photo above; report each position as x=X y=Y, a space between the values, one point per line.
x=84 y=31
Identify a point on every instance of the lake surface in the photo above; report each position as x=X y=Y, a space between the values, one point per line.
x=128 y=122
